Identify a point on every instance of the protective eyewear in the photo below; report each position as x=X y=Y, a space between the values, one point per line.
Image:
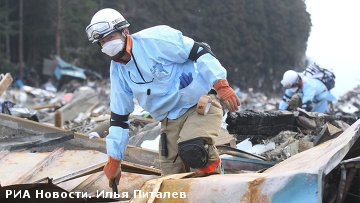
x=98 y=30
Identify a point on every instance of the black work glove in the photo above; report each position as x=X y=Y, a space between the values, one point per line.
x=307 y=106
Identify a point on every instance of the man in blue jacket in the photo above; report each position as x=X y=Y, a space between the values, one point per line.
x=167 y=73
x=305 y=92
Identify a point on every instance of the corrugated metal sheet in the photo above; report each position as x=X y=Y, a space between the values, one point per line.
x=297 y=179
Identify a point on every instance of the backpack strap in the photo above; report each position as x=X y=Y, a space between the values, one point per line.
x=195 y=53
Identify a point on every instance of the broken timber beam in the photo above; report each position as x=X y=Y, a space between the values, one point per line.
x=260 y=123
x=45 y=106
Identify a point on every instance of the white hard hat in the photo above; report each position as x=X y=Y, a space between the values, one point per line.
x=290 y=79
x=105 y=22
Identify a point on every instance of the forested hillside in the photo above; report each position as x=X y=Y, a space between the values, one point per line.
x=255 y=40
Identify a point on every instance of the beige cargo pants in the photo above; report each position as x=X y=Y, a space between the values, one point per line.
x=189 y=126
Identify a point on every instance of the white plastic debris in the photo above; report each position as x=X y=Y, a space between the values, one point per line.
x=261 y=148
x=348 y=108
x=247 y=146
x=151 y=144
x=139 y=111
x=94 y=135
x=244 y=145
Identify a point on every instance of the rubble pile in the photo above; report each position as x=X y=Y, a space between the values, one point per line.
x=85 y=109
x=349 y=103
x=253 y=140
x=291 y=132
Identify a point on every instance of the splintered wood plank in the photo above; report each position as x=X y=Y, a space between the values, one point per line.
x=39 y=166
x=136 y=168
x=79 y=173
x=68 y=162
x=5 y=82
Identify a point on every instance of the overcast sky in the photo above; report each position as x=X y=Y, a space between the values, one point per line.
x=334 y=40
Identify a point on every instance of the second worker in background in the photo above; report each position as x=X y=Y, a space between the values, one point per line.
x=305 y=91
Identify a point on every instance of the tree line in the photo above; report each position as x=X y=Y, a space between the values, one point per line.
x=255 y=40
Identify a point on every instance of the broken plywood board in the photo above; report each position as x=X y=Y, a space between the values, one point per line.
x=63 y=165
x=24 y=167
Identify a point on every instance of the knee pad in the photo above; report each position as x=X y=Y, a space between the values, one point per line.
x=193 y=152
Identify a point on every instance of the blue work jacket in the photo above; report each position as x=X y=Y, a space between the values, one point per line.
x=159 y=56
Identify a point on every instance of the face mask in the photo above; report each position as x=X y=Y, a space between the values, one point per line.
x=113 y=47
